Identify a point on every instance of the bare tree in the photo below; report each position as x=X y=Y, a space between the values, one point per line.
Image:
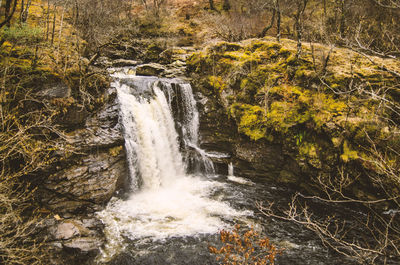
x=24 y=10
x=9 y=10
x=226 y=5
x=300 y=6
x=211 y=3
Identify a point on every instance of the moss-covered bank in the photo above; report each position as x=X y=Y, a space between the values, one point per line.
x=334 y=111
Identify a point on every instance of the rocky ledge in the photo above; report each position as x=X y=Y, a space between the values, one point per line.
x=91 y=169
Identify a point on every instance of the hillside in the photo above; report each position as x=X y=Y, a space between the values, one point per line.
x=302 y=96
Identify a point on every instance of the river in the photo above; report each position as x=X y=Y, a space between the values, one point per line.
x=175 y=204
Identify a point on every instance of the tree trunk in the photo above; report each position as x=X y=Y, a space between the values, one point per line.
x=278 y=21
x=22 y=10
x=342 y=18
x=25 y=10
x=211 y=2
x=226 y=6
x=47 y=20
x=54 y=25
x=301 y=6
x=265 y=30
x=7 y=13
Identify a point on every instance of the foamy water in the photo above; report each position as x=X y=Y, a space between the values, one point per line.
x=165 y=201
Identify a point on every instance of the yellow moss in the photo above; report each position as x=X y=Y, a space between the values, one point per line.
x=348 y=153
x=288 y=91
x=308 y=149
x=284 y=52
x=325 y=108
x=283 y=115
x=217 y=83
x=115 y=151
x=262 y=45
x=225 y=46
x=251 y=120
x=292 y=59
x=336 y=141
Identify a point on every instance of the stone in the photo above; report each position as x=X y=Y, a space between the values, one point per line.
x=85 y=186
x=55 y=90
x=66 y=231
x=103 y=62
x=84 y=244
x=124 y=62
x=151 y=69
x=287 y=177
x=75 y=116
x=102 y=130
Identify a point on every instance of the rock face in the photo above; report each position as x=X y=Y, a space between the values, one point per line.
x=125 y=62
x=73 y=241
x=82 y=182
x=151 y=69
x=251 y=159
x=85 y=186
x=55 y=90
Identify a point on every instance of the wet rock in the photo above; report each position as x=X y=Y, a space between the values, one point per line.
x=121 y=50
x=103 y=62
x=84 y=244
x=73 y=241
x=101 y=130
x=66 y=231
x=85 y=187
x=151 y=69
x=55 y=90
x=75 y=116
x=125 y=62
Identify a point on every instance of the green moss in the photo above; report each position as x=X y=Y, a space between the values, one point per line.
x=225 y=47
x=284 y=115
x=284 y=52
x=251 y=120
x=258 y=45
x=217 y=83
x=348 y=153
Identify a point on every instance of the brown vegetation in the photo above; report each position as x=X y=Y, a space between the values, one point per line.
x=245 y=248
x=45 y=41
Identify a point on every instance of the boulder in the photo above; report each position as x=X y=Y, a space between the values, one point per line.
x=55 y=90
x=102 y=130
x=85 y=244
x=124 y=62
x=151 y=69
x=103 y=62
x=86 y=186
x=66 y=231
x=73 y=241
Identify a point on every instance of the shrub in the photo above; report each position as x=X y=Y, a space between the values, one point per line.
x=246 y=248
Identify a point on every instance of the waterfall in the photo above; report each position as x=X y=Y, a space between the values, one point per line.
x=169 y=197
x=230 y=169
x=236 y=179
x=151 y=138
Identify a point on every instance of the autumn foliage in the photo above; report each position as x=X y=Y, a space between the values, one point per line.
x=246 y=248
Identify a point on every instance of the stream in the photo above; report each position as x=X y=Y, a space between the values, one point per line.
x=175 y=204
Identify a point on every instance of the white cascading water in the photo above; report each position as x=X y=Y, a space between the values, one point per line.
x=236 y=179
x=165 y=200
x=230 y=169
